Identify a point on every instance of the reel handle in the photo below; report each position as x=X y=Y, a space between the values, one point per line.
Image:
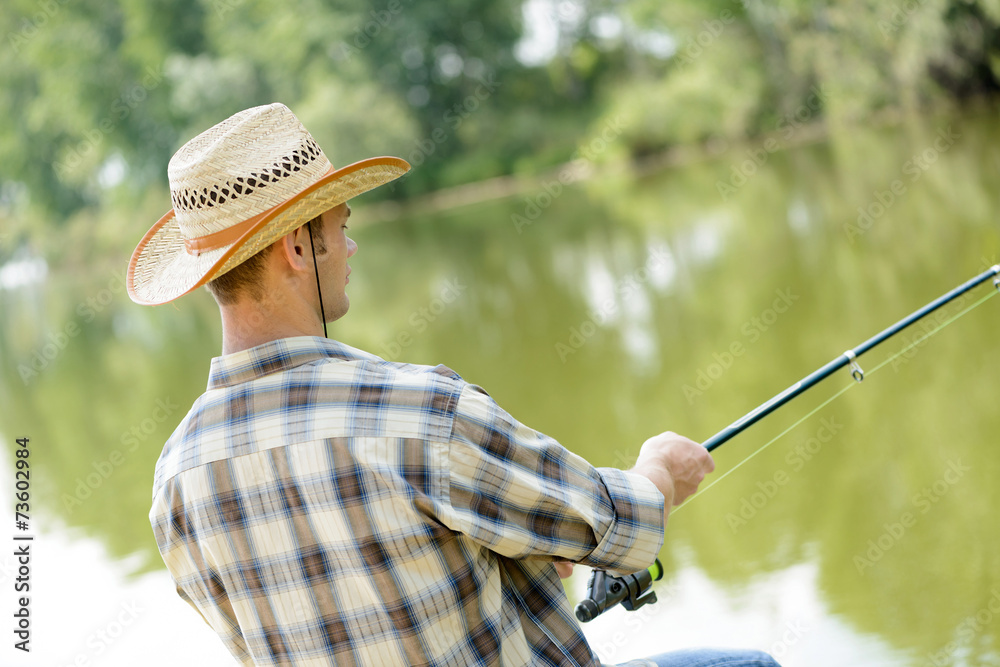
x=605 y=591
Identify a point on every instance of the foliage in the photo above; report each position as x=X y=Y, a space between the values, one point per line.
x=740 y=68
x=98 y=94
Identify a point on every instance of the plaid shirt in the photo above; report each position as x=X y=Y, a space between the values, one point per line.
x=319 y=505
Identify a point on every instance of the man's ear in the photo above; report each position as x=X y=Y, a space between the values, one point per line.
x=294 y=249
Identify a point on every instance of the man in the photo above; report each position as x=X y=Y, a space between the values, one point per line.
x=319 y=505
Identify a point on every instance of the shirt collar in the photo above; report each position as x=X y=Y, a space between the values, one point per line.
x=277 y=356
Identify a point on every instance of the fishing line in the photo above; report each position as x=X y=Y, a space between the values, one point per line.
x=947 y=322
x=605 y=591
x=765 y=446
x=822 y=405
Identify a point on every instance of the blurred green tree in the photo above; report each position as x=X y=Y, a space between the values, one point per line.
x=97 y=94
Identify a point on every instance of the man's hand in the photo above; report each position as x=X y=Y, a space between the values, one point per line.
x=675 y=464
x=563 y=568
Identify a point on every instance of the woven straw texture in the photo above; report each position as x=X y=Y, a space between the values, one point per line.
x=260 y=162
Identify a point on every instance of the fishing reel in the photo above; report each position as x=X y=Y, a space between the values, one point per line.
x=605 y=591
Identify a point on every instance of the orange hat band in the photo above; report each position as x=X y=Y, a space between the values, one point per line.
x=222 y=238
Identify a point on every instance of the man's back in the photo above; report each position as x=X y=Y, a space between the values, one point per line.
x=319 y=504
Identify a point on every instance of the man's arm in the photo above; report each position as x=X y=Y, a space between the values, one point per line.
x=521 y=494
x=675 y=465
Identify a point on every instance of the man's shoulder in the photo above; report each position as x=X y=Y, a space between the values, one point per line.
x=348 y=393
x=376 y=365
x=366 y=369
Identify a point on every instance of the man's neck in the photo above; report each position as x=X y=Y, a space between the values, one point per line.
x=249 y=324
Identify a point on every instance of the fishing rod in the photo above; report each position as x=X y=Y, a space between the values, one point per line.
x=849 y=357
x=605 y=591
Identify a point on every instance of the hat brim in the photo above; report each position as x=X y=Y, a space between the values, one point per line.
x=161 y=268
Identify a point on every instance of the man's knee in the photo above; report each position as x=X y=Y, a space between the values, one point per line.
x=748 y=658
x=705 y=657
x=760 y=659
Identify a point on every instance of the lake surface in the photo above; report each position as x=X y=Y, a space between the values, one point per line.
x=618 y=308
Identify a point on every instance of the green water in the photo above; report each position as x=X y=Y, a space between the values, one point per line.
x=631 y=305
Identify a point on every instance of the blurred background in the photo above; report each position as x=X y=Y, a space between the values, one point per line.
x=624 y=217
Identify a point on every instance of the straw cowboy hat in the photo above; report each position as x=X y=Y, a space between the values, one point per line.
x=236 y=188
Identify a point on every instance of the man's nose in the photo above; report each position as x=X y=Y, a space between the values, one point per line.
x=352 y=247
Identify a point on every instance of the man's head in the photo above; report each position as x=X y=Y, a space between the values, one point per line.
x=243 y=193
x=284 y=273
x=247 y=281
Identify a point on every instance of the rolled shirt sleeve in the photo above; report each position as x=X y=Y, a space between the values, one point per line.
x=521 y=494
